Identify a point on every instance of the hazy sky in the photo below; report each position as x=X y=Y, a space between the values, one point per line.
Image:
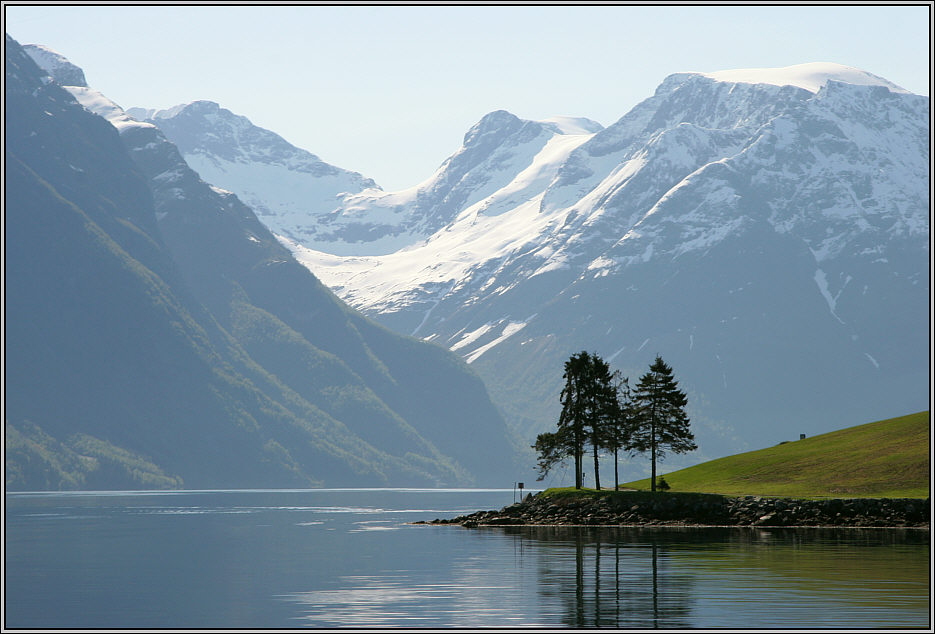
x=390 y=91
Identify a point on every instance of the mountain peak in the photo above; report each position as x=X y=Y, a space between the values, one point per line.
x=497 y=123
x=57 y=65
x=811 y=76
x=201 y=106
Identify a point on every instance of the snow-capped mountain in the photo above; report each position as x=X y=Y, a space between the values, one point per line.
x=501 y=151
x=319 y=206
x=289 y=188
x=765 y=230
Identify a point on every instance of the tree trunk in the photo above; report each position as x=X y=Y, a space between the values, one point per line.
x=597 y=473
x=616 y=478
x=653 y=481
x=652 y=443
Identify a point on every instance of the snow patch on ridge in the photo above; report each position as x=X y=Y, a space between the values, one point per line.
x=96 y=103
x=471 y=337
x=811 y=76
x=573 y=125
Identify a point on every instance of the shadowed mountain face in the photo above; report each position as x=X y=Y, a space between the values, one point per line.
x=157 y=335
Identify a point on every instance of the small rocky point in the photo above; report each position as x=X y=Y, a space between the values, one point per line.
x=668 y=509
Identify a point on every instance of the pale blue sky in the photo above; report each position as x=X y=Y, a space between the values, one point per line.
x=390 y=91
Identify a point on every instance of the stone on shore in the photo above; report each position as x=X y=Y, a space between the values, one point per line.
x=640 y=508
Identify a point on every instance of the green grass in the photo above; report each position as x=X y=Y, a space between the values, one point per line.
x=569 y=494
x=888 y=458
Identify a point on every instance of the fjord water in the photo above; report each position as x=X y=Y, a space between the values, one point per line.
x=332 y=558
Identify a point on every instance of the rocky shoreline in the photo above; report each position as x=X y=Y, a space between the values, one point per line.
x=640 y=508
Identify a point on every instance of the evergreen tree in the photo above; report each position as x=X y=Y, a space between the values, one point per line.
x=588 y=410
x=602 y=409
x=568 y=441
x=621 y=419
x=572 y=420
x=661 y=421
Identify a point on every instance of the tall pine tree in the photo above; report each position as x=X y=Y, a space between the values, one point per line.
x=661 y=422
x=589 y=410
x=603 y=409
x=621 y=419
x=572 y=421
x=568 y=441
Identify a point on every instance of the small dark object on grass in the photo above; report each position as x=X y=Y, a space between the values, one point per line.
x=662 y=485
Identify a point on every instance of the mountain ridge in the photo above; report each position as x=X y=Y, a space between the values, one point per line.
x=217 y=144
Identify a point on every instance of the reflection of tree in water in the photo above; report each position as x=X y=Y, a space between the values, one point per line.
x=621 y=578
x=630 y=577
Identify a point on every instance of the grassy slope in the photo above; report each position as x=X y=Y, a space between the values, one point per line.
x=888 y=458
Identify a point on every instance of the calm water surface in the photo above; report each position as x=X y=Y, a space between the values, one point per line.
x=333 y=558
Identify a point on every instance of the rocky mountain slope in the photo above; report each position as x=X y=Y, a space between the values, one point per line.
x=164 y=337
